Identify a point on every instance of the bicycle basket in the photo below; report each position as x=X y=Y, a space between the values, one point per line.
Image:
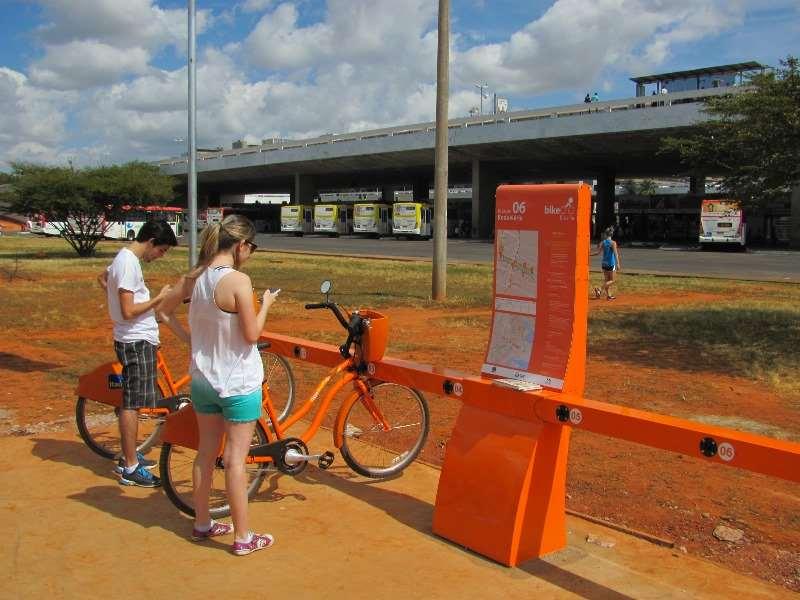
x=374 y=339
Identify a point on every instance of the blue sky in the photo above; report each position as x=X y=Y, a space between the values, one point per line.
x=103 y=81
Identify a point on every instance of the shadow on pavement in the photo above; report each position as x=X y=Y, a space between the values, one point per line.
x=570 y=582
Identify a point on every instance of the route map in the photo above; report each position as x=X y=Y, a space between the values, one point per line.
x=517 y=263
x=512 y=341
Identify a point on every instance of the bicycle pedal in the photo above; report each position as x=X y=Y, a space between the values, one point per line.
x=325 y=460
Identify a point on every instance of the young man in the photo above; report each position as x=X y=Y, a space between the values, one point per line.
x=136 y=340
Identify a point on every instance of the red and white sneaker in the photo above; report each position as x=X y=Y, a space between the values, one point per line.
x=257 y=542
x=216 y=529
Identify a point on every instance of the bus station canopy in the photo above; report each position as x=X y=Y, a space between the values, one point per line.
x=720 y=69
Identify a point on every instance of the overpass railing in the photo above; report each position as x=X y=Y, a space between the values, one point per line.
x=572 y=110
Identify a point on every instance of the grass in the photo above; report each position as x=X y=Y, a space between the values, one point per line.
x=749 y=329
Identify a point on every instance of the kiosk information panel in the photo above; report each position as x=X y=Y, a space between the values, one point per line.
x=535 y=282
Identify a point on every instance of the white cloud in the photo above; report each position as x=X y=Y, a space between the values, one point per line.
x=574 y=41
x=33 y=124
x=82 y=64
x=132 y=23
x=256 y=5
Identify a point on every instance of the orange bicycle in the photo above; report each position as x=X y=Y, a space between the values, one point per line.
x=380 y=427
x=100 y=398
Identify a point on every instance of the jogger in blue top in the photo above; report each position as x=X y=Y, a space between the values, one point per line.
x=610 y=262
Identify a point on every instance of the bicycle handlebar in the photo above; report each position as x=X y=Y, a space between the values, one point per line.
x=353 y=325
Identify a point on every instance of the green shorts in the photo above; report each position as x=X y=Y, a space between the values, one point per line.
x=238 y=409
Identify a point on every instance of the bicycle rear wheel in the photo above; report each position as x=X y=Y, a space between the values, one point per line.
x=279 y=380
x=98 y=426
x=373 y=452
x=176 y=476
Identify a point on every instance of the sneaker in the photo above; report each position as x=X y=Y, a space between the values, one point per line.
x=597 y=292
x=611 y=298
x=257 y=542
x=141 y=477
x=143 y=462
x=216 y=529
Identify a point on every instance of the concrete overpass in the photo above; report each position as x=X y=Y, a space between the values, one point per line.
x=602 y=141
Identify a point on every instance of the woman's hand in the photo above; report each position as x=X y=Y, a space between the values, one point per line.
x=269 y=297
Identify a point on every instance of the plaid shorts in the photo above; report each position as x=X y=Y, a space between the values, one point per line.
x=139 y=374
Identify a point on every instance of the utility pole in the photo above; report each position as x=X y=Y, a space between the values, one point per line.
x=440 y=178
x=192 y=140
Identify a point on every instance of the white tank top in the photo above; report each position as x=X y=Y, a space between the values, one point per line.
x=219 y=351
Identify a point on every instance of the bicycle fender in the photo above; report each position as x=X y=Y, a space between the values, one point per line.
x=338 y=425
x=103 y=384
x=180 y=428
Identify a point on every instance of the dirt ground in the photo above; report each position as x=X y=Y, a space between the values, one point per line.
x=659 y=493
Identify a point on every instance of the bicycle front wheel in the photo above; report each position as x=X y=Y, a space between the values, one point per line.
x=279 y=382
x=372 y=450
x=176 y=476
x=98 y=426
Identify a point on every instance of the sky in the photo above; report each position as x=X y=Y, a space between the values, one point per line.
x=97 y=82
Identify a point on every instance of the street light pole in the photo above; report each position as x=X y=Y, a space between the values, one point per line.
x=481 y=87
x=439 y=291
x=192 y=200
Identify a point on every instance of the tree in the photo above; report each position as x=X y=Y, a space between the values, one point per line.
x=751 y=139
x=81 y=203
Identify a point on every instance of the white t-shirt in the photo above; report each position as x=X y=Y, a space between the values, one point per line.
x=125 y=273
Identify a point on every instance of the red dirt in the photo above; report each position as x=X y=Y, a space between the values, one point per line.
x=661 y=493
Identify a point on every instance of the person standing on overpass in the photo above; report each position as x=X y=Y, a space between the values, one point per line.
x=610 y=262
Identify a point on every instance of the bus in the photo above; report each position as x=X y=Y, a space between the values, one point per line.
x=265 y=217
x=411 y=219
x=371 y=219
x=297 y=219
x=722 y=222
x=125 y=228
x=333 y=219
x=133 y=217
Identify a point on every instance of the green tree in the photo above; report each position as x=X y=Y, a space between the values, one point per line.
x=81 y=203
x=751 y=138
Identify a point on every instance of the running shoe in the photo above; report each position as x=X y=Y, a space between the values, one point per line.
x=140 y=477
x=215 y=530
x=257 y=542
x=143 y=462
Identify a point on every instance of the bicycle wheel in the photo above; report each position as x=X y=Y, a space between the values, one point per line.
x=278 y=378
x=176 y=477
x=373 y=452
x=98 y=426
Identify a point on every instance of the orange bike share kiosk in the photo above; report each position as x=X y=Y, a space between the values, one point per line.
x=502 y=488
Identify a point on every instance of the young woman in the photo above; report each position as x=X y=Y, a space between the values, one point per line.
x=610 y=262
x=226 y=370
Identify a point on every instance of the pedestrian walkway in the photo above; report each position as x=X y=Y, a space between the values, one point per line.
x=70 y=532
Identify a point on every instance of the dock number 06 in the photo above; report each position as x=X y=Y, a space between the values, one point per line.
x=518 y=208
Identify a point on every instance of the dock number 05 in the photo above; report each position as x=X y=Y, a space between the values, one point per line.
x=518 y=208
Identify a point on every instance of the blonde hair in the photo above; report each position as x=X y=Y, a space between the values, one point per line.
x=219 y=237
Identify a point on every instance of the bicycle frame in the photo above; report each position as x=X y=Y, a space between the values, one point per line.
x=102 y=384
x=180 y=428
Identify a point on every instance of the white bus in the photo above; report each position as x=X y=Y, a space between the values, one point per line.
x=333 y=219
x=132 y=219
x=722 y=222
x=297 y=219
x=411 y=219
x=371 y=219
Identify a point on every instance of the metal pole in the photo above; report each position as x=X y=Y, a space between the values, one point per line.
x=440 y=180
x=192 y=141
